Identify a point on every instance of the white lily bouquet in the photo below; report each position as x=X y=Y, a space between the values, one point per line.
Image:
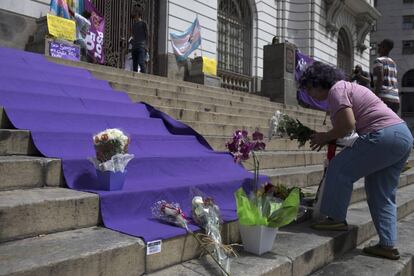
x=111 y=146
x=207 y=215
x=282 y=125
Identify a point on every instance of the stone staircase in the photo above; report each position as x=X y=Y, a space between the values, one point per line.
x=46 y=229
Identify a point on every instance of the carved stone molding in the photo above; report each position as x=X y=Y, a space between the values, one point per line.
x=363 y=23
x=333 y=9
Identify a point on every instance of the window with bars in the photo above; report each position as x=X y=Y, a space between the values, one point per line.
x=408 y=22
x=234 y=36
x=408 y=47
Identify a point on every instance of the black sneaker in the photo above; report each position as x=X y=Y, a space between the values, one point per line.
x=330 y=224
x=383 y=252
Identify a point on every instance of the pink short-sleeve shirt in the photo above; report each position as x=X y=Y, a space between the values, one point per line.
x=371 y=114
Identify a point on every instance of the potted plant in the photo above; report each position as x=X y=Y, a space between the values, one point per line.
x=260 y=211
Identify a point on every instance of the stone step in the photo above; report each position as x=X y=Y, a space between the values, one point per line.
x=207 y=97
x=22 y=172
x=107 y=72
x=219 y=143
x=356 y=263
x=358 y=193
x=286 y=159
x=218 y=129
x=188 y=248
x=252 y=118
x=19 y=142
x=182 y=104
x=28 y=213
x=87 y=251
x=299 y=250
x=301 y=176
x=16 y=142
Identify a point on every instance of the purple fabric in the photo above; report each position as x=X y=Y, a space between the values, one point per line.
x=302 y=61
x=64 y=106
x=95 y=38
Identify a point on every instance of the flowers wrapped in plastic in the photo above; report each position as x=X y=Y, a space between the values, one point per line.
x=281 y=124
x=171 y=213
x=207 y=215
x=111 y=146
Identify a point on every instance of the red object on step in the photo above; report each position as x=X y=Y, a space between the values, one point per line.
x=331 y=151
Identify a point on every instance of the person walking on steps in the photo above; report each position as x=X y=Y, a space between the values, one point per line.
x=139 y=42
x=379 y=154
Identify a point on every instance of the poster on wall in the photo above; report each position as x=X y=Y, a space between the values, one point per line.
x=65 y=51
x=95 y=39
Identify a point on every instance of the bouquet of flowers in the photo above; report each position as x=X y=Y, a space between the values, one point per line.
x=111 y=146
x=207 y=215
x=171 y=213
x=281 y=124
x=242 y=147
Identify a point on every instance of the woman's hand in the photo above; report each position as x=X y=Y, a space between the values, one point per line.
x=318 y=140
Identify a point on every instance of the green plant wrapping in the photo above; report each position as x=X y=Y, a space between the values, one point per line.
x=264 y=211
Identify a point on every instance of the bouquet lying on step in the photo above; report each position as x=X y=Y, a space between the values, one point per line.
x=207 y=215
x=111 y=146
x=282 y=125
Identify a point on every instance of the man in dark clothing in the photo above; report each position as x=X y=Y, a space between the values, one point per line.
x=361 y=77
x=140 y=37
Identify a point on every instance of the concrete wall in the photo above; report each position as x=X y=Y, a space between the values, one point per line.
x=18 y=20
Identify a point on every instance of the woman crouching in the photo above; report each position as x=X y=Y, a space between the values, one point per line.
x=379 y=154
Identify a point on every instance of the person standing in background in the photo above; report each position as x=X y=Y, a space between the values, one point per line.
x=385 y=76
x=360 y=76
x=139 y=42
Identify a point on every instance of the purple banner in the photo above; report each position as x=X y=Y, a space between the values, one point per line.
x=61 y=50
x=95 y=38
x=302 y=62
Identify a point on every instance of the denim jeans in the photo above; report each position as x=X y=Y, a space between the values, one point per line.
x=379 y=157
x=138 y=58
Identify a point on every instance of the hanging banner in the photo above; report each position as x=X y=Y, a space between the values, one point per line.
x=185 y=43
x=302 y=62
x=61 y=28
x=209 y=66
x=95 y=39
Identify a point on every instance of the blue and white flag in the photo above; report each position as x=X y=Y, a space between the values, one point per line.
x=185 y=43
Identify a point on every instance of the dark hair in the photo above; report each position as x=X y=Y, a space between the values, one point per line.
x=86 y=14
x=137 y=11
x=320 y=75
x=388 y=44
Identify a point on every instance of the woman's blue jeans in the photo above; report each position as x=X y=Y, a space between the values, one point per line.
x=379 y=157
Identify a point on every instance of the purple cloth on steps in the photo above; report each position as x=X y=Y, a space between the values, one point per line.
x=64 y=107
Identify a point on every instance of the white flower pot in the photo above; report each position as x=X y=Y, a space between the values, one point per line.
x=257 y=239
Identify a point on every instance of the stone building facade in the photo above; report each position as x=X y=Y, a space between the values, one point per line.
x=397 y=23
x=235 y=32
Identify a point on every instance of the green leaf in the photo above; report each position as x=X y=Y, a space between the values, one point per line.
x=287 y=212
x=247 y=212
